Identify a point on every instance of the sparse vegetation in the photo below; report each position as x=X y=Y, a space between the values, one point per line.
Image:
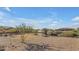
x=37 y=47
x=35 y=31
x=68 y=34
x=2 y=48
x=45 y=32
x=21 y=29
x=60 y=39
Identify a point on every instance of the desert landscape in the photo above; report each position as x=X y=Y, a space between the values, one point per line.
x=39 y=29
x=25 y=38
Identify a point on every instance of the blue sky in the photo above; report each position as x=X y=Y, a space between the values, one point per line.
x=40 y=17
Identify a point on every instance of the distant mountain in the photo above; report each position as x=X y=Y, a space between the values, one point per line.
x=5 y=27
x=64 y=29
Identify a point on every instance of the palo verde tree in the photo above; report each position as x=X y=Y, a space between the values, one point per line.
x=23 y=29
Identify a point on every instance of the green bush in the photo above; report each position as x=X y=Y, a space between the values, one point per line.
x=68 y=34
x=12 y=31
x=45 y=31
x=24 y=29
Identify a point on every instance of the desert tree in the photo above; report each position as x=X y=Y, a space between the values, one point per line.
x=23 y=29
x=35 y=31
x=45 y=31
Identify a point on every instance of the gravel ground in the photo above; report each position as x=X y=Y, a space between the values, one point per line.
x=39 y=43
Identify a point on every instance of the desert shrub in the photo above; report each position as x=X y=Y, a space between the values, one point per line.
x=76 y=32
x=45 y=32
x=35 y=31
x=29 y=29
x=37 y=47
x=68 y=34
x=53 y=33
x=24 y=29
x=2 y=48
x=21 y=28
x=50 y=32
x=12 y=30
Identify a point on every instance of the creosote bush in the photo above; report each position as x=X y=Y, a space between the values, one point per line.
x=45 y=32
x=68 y=34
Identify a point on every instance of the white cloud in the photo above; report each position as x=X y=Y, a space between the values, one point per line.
x=39 y=23
x=75 y=18
x=48 y=22
x=74 y=25
x=55 y=22
x=8 y=9
x=1 y=15
x=75 y=22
